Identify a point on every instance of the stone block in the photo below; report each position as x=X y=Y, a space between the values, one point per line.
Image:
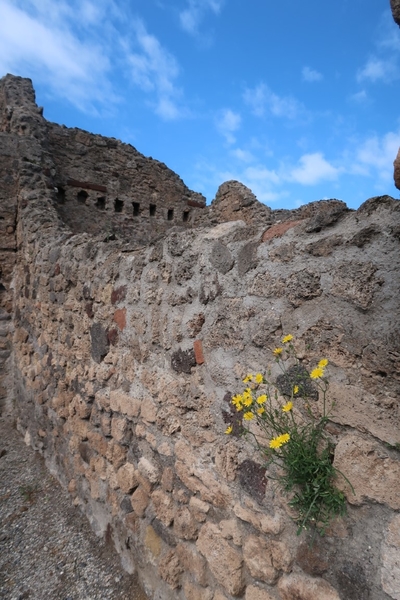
x=192 y=563
x=390 y=555
x=198 y=508
x=370 y=470
x=221 y=258
x=185 y=526
x=255 y=593
x=148 y=411
x=225 y=562
x=194 y=592
x=164 y=507
x=127 y=478
x=99 y=342
x=116 y=454
x=297 y=585
x=149 y=470
x=119 y=428
x=182 y=361
x=258 y=558
x=140 y=501
x=170 y=569
x=124 y=403
x=230 y=530
x=167 y=479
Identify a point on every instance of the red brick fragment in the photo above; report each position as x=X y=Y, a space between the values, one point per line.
x=278 y=230
x=198 y=352
x=120 y=318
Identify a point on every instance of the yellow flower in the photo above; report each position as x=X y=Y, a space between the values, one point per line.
x=288 y=406
x=260 y=410
x=229 y=430
x=247 y=400
x=295 y=389
x=287 y=338
x=248 y=378
x=259 y=378
x=322 y=363
x=277 y=351
x=278 y=441
x=261 y=399
x=248 y=416
x=317 y=373
x=237 y=399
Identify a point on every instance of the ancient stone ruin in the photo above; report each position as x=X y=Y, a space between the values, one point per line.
x=131 y=313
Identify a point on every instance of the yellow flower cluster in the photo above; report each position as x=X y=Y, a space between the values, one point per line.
x=278 y=441
x=318 y=372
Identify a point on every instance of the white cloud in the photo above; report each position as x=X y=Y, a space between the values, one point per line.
x=242 y=155
x=37 y=40
x=191 y=17
x=383 y=65
x=262 y=100
x=154 y=69
x=313 y=169
x=311 y=75
x=227 y=123
x=376 y=155
x=377 y=69
x=359 y=97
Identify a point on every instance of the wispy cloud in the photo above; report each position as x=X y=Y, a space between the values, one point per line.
x=227 y=123
x=191 y=17
x=359 y=97
x=311 y=75
x=383 y=65
x=36 y=39
x=154 y=69
x=377 y=69
x=75 y=47
x=263 y=101
x=312 y=169
x=376 y=155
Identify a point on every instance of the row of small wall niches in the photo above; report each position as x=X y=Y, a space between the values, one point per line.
x=120 y=206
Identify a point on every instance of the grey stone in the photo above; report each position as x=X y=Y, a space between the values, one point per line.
x=221 y=258
x=100 y=344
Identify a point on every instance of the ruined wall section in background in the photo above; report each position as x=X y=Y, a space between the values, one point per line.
x=109 y=188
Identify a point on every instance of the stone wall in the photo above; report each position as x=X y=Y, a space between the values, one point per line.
x=126 y=358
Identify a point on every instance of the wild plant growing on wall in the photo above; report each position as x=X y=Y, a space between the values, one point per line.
x=285 y=423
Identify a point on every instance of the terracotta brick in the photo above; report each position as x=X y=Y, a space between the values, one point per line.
x=198 y=352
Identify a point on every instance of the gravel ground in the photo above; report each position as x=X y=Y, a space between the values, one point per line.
x=47 y=549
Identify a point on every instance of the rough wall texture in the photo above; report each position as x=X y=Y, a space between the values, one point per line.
x=395 y=6
x=125 y=359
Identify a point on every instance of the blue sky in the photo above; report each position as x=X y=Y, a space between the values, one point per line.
x=298 y=100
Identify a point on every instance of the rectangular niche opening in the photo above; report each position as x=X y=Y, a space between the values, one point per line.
x=170 y=214
x=152 y=210
x=101 y=203
x=136 y=209
x=185 y=216
x=60 y=195
x=118 y=205
x=82 y=196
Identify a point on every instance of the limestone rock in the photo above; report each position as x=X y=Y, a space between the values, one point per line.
x=258 y=558
x=255 y=593
x=370 y=470
x=304 y=587
x=224 y=561
x=390 y=571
